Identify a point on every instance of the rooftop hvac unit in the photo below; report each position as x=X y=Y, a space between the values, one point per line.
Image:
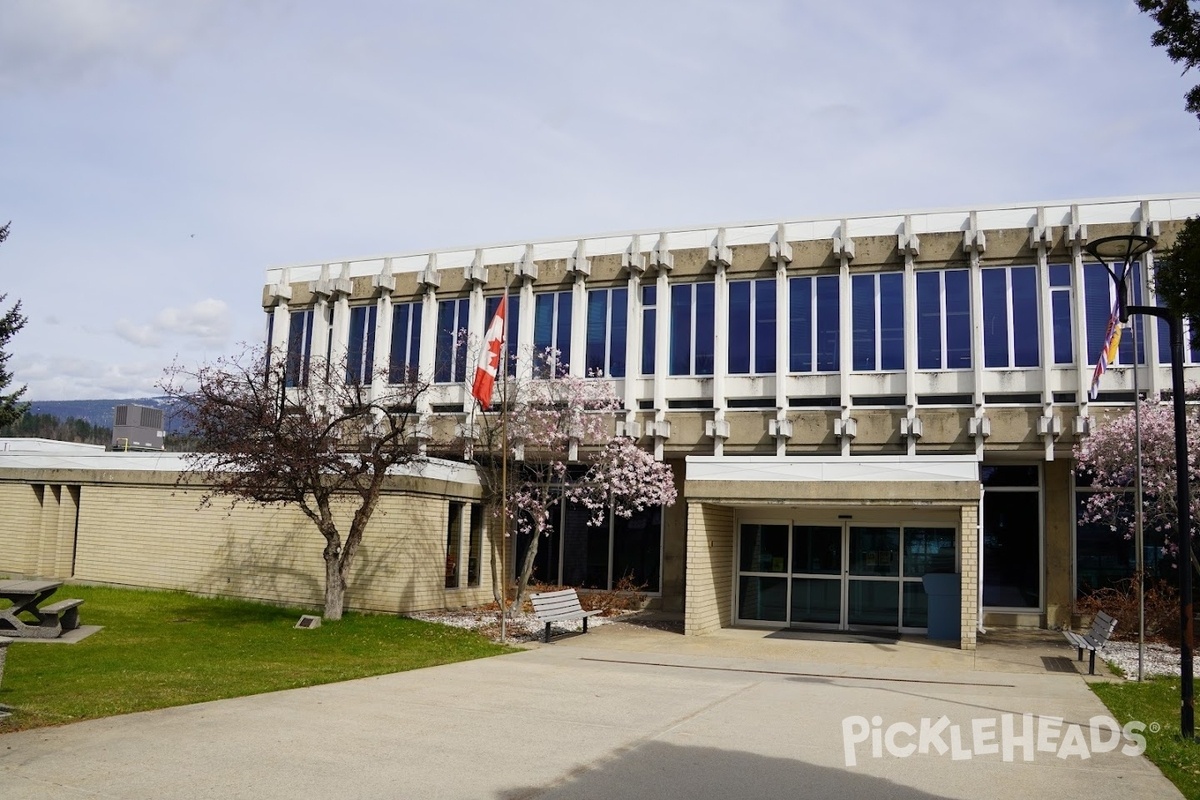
x=137 y=428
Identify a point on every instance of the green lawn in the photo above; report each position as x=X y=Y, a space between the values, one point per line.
x=1156 y=702
x=161 y=649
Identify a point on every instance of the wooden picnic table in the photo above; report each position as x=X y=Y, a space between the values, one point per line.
x=27 y=596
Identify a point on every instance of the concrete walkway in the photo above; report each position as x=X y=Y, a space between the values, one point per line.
x=623 y=712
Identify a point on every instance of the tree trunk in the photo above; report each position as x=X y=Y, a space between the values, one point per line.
x=335 y=589
x=526 y=572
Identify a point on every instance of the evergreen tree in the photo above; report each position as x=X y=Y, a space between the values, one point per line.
x=1179 y=32
x=11 y=407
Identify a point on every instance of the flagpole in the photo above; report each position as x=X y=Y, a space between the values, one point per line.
x=502 y=363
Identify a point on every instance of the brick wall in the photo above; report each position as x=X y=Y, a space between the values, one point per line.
x=709 y=601
x=969 y=568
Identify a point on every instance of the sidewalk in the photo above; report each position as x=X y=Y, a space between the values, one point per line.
x=623 y=712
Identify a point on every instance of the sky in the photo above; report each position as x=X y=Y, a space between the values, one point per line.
x=157 y=157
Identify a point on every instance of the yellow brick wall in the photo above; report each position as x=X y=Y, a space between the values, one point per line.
x=969 y=568
x=709 y=584
x=147 y=532
x=20 y=521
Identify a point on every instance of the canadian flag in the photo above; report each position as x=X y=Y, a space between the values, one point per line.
x=489 y=358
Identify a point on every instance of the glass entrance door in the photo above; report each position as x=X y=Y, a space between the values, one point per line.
x=873 y=576
x=841 y=576
x=817 y=575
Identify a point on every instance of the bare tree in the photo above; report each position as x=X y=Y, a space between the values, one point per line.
x=270 y=435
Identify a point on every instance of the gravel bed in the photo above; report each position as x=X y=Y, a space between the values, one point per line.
x=520 y=627
x=1160 y=659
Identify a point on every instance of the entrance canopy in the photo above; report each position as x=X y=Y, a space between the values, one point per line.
x=952 y=480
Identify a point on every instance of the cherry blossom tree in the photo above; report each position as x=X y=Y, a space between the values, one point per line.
x=561 y=449
x=1108 y=457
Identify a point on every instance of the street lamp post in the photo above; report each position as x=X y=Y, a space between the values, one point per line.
x=1125 y=248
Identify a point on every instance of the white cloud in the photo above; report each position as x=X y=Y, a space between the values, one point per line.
x=207 y=322
x=57 y=378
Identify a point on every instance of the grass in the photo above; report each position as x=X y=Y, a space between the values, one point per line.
x=161 y=649
x=1155 y=702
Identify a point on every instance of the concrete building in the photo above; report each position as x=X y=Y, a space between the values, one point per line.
x=847 y=403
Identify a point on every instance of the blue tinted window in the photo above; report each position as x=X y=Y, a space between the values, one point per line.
x=299 y=347
x=605 y=334
x=1125 y=355
x=596 y=338
x=1060 y=309
x=706 y=315
x=829 y=316
x=862 y=318
x=958 y=319
x=800 y=333
x=1025 y=316
x=764 y=326
x=551 y=331
x=692 y=327
x=739 y=327
x=360 y=349
x=1097 y=308
x=751 y=327
x=511 y=325
x=929 y=320
x=891 y=320
x=617 y=336
x=450 y=354
x=406 y=342
x=995 y=318
x=649 y=329
x=1060 y=275
x=681 y=329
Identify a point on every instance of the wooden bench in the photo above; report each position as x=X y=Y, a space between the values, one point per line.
x=560 y=606
x=63 y=615
x=1095 y=639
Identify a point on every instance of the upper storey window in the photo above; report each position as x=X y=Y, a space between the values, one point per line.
x=607 y=317
x=815 y=323
x=1060 y=311
x=943 y=319
x=450 y=356
x=360 y=349
x=1099 y=297
x=752 y=319
x=405 y=356
x=299 y=347
x=551 y=332
x=512 y=324
x=649 y=329
x=692 y=315
x=877 y=317
x=1010 y=317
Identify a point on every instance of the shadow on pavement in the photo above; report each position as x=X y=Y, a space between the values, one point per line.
x=663 y=770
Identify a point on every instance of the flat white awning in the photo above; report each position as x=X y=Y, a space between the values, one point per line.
x=873 y=480
x=863 y=468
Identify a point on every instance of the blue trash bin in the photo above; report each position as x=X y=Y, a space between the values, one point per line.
x=944 y=590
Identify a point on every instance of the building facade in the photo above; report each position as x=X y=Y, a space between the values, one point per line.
x=848 y=403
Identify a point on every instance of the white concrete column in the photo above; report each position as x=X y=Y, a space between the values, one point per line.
x=843 y=245
x=911 y=427
x=430 y=280
x=526 y=272
x=635 y=265
x=384 y=284
x=781 y=252
x=720 y=256
x=580 y=266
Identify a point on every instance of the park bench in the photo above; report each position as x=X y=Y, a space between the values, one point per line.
x=1095 y=639
x=560 y=606
x=63 y=615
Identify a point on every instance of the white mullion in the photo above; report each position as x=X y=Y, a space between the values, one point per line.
x=878 y=321
x=943 y=357
x=1008 y=310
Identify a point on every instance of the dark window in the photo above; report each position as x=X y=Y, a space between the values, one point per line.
x=692 y=328
x=360 y=350
x=512 y=324
x=299 y=347
x=649 y=331
x=406 y=342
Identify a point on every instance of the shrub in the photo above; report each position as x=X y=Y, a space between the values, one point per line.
x=1121 y=603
